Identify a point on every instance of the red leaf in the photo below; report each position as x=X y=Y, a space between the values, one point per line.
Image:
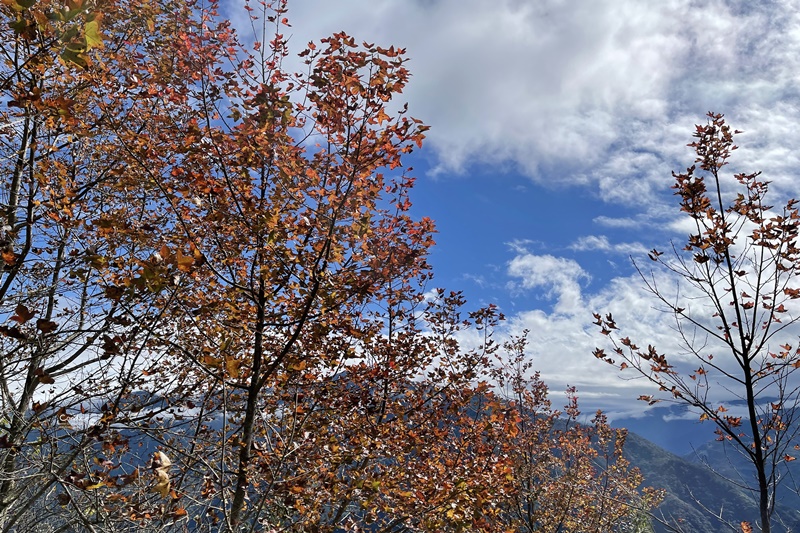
x=23 y=314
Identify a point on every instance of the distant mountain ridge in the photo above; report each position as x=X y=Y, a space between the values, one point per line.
x=695 y=493
x=671 y=427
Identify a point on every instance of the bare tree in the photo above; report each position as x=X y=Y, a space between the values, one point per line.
x=733 y=313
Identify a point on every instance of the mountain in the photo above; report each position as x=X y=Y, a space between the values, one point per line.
x=672 y=427
x=729 y=463
x=695 y=493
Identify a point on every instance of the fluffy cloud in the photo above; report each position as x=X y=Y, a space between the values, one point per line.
x=562 y=340
x=598 y=92
x=558 y=277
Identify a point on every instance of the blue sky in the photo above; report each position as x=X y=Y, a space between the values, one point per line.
x=554 y=129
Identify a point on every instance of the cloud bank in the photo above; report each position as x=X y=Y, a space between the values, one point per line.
x=592 y=92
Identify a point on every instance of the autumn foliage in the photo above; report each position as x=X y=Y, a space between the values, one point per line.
x=213 y=298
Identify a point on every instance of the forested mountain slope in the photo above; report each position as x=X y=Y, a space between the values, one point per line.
x=695 y=493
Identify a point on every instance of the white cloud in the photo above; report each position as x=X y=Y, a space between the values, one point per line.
x=520 y=245
x=562 y=341
x=601 y=242
x=560 y=347
x=617 y=222
x=592 y=91
x=688 y=414
x=559 y=277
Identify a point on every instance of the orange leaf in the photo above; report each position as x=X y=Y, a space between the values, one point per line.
x=185 y=262
x=232 y=366
x=211 y=361
x=9 y=257
x=299 y=365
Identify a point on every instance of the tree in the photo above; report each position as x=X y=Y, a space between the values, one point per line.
x=567 y=476
x=73 y=342
x=214 y=292
x=734 y=313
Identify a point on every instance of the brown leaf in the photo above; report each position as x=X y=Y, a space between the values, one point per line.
x=232 y=366
x=46 y=326
x=14 y=332
x=127 y=479
x=43 y=376
x=110 y=346
x=184 y=262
